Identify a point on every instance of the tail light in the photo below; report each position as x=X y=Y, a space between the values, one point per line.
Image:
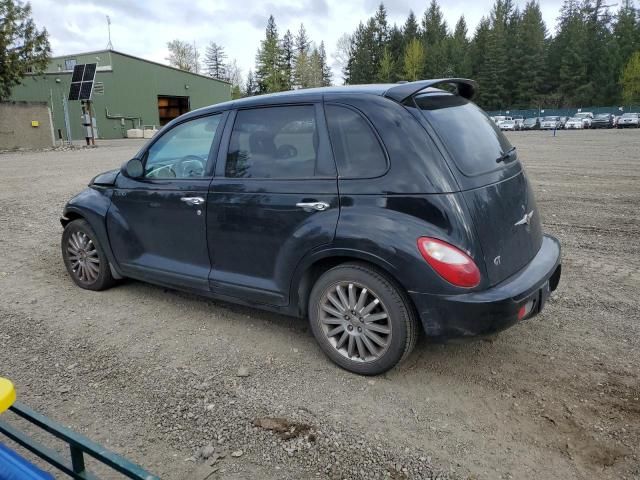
x=449 y=262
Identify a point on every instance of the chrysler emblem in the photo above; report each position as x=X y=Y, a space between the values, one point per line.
x=525 y=220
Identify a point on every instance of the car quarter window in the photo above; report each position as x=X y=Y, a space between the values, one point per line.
x=274 y=142
x=356 y=148
x=183 y=151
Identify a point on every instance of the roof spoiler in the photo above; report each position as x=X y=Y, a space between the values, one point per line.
x=465 y=88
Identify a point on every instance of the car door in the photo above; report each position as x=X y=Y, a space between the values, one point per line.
x=157 y=223
x=274 y=199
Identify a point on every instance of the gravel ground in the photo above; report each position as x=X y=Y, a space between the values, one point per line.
x=153 y=374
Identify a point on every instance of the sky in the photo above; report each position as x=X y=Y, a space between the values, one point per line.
x=143 y=28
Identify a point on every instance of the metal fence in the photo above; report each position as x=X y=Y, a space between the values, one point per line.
x=563 y=112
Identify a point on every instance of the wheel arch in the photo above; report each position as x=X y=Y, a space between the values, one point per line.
x=318 y=263
x=92 y=206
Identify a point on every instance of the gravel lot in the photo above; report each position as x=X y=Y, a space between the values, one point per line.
x=153 y=373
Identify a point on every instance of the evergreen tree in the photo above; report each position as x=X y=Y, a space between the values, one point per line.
x=396 y=47
x=529 y=63
x=324 y=66
x=288 y=60
x=483 y=70
x=627 y=31
x=434 y=36
x=380 y=29
x=269 y=75
x=215 y=61
x=361 y=67
x=301 y=59
x=458 y=51
x=250 y=86
x=602 y=79
x=410 y=30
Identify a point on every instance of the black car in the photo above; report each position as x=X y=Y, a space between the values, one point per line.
x=532 y=123
x=602 y=120
x=377 y=211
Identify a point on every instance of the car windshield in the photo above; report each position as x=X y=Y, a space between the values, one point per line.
x=551 y=119
x=530 y=120
x=582 y=114
x=603 y=116
x=509 y=122
x=630 y=115
x=472 y=139
x=575 y=119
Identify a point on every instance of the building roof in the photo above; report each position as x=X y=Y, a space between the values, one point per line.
x=96 y=52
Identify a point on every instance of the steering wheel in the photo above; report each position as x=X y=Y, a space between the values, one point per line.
x=192 y=170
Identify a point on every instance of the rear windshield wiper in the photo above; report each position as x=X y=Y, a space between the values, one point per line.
x=506 y=155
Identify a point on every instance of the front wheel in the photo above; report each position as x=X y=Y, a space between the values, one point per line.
x=84 y=257
x=361 y=319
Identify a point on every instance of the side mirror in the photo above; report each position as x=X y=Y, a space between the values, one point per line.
x=133 y=168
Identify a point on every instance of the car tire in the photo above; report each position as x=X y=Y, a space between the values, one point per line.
x=84 y=257
x=338 y=313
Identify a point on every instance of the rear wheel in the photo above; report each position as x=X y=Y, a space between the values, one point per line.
x=84 y=258
x=361 y=319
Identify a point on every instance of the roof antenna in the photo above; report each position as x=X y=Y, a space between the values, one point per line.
x=109 y=45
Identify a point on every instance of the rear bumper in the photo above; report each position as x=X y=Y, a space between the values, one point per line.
x=492 y=310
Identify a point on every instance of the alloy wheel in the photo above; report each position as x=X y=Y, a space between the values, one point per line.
x=355 y=321
x=83 y=257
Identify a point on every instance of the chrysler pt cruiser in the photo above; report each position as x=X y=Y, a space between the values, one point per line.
x=376 y=211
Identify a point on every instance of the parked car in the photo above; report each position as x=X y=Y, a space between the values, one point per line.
x=333 y=204
x=500 y=118
x=508 y=125
x=586 y=117
x=550 y=123
x=603 y=120
x=532 y=123
x=574 y=123
x=629 y=120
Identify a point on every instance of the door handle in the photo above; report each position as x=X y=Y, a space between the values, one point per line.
x=192 y=200
x=320 y=206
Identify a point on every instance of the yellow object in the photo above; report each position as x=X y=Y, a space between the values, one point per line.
x=7 y=394
x=35 y=123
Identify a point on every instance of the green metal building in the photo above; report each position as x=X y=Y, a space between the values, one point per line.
x=129 y=92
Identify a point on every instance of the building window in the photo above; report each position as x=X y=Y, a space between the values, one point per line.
x=69 y=63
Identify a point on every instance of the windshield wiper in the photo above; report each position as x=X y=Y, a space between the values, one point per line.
x=506 y=155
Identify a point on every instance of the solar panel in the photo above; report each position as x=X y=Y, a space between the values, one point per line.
x=74 y=91
x=82 y=81
x=78 y=71
x=89 y=72
x=85 y=90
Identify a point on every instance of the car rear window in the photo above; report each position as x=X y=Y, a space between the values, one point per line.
x=356 y=148
x=472 y=139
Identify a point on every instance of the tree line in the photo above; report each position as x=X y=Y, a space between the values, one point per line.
x=281 y=63
x=592 y=59
x=517 y=63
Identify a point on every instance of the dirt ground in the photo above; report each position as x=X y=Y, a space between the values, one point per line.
x=152 y=373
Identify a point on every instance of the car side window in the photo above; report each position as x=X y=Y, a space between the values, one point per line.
x=356 y=148
x=273 y=142
x=183 y=151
